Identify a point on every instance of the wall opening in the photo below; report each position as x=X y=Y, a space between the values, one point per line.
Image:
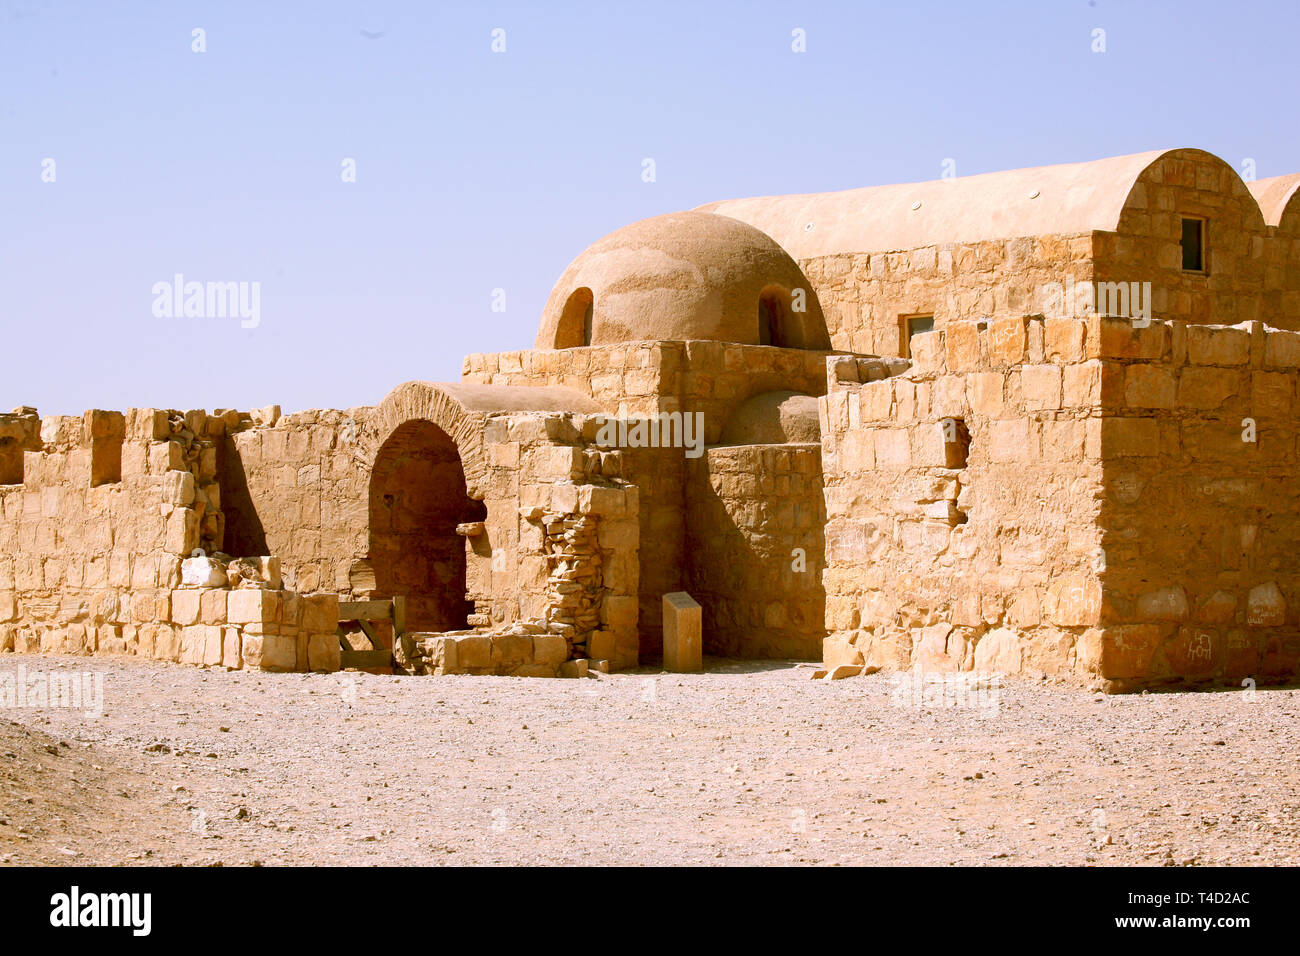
x=1193 y=243
x=11 y=462
x=417 y=497
x=574 y=328
x=911 y=325
x=107 y=431
x=776 y=321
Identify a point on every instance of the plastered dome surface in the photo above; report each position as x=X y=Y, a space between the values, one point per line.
x=686 y=275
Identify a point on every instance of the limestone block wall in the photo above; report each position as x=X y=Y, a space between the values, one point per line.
x=297 y=486
x=1199 y=521
x=1146 y=244
x=970 y=544
x=646 y=378
x=1281 y=301
x=252 y=627
x=96 y=525
x=303 y=487
x=866 y=295
x=754 y=518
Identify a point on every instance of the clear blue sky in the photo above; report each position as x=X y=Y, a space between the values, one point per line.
x=478 y=170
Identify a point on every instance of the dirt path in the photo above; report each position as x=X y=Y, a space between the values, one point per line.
x=744 y=764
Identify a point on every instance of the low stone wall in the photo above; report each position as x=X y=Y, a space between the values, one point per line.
x=211 y=621
x=523 y=649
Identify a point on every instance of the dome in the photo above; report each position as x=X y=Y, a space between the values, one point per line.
x=773 y=418
x=686 y=275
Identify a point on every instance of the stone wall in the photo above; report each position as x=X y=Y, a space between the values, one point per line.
x=865 y=296
x=970 y=544
x=647 y=378
x=312 y=488
x=1146 y=244
x=749 y=507
x=93 y=533
x=1199 y=523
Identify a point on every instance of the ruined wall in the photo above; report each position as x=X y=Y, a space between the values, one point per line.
x=303 y=484
x=297 y=486
x=748 y=508
x=987 y=564
x=647 y=378
x=1146 y=246
x=865 y=295
x=1199 y=525
x=93 y=534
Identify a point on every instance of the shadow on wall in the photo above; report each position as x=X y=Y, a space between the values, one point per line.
x=244 y=534
x=417 y=498
x=756 y=547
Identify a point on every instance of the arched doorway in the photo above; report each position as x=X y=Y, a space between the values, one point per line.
x=417 y=497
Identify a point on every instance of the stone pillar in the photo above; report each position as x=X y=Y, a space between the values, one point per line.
x=683 y=639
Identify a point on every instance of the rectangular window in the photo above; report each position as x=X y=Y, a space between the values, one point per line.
x=1193 y=243
x=914 y=325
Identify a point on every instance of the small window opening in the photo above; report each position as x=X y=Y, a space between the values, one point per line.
x=11 y=462
x=956 y=442
x=574 y=328
x=107 y=432
x=1193 y=243
x=775 y=320
x=914 y=325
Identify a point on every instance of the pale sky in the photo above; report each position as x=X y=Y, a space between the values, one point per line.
x=479 y=170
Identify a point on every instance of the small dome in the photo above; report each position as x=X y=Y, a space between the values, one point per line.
x=686 y=275
x=773 y=418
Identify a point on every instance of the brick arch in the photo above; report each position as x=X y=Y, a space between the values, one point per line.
x=427 y=401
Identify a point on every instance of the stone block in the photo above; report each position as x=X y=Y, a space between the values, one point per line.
x=1265 y=606
x=550 y=649
x=201 y=572
x=320 y=613
x=253 y=606
x=683 y=633
x=474 y=651
x=324 y=653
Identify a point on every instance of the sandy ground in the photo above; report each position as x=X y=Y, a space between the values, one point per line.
x=747 y=763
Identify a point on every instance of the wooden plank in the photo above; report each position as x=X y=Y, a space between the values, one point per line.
x=399 y=617
x=370 y=634
x=365 y=659
x=365 y=610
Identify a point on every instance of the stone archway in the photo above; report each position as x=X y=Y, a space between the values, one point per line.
x=418 y=495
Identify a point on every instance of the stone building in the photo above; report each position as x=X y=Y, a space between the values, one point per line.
x=1034 y=422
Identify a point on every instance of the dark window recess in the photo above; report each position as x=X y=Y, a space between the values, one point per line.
x=915 y=325
x=11 y=462
x=1193 y=243
x=956 y=442
x=773 y=326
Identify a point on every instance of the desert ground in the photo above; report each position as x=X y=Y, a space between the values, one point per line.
x=747 y=763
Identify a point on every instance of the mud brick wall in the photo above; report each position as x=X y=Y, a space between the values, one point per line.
x=748 y=508
x=988 y=564
x=1146 y=245
x=104 y=509
x=646 y=378
x=1199 y=526
x=865 y=295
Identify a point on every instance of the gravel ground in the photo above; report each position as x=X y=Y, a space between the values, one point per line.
x=747 y=763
